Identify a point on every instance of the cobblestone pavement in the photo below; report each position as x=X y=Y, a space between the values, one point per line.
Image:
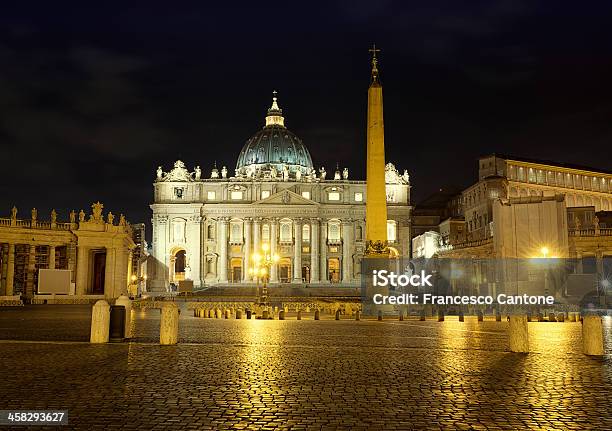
x=252 y=374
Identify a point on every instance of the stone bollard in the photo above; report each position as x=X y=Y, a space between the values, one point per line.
x=592 y=335
x=498 y=317
x=100 y=322
x=540 y=317
x=480 y=316
x=561 y=317
x=168 y=328
x=461 y=316
x=195 y=312
x=571 y=317
x=299 y=315
x=519 y=334
x=401 y=316
x=337 y=314
x=317 y=314
x=440 y=315
x=281 y=315
x=265 y=314
x=226 y=314
x=422 y=318
x=127 y=303
x=238 y=314
x=249 y=313
x=357 y=315
x=380 y=316
x=551 y=317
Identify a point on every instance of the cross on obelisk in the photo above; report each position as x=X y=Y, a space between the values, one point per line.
x=374 y=50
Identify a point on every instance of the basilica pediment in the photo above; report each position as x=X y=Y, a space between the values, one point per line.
x=285 y=197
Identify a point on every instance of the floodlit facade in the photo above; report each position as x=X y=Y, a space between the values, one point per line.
x=207 y=229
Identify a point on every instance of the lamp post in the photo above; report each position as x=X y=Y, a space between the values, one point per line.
x=261 y=270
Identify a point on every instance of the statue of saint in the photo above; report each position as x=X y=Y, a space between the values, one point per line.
x=81 y=216
x=97 y=212
x=223 y=172
x=298 y=175
x=323 y=173
x=53 y=216
x=273 y=172
x=406 y=176
x=285 y=173
x=596 y=222
x=34 y=214
x=110 y=218
x=160 y=173
x=121 y=220
x=345 y=174
x=72 y=217
x=14 y=213
x=198 y=173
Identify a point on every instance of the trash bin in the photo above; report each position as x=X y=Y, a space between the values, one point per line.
x=117 y=323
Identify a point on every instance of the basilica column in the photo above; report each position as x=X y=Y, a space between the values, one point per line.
x=324 y=273
x=347 y=258
x=222 y=247
x=273 y=248
x=297 y=250
x=51 y=257
x=256 y=238
x=314 y=250
x=10 y=269
x=247 y=249
x=81 y=270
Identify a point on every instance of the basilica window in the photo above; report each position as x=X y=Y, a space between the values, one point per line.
x=265 y=194
x=532 y=176
x=178 y=230
x=306 y=233
x=285 y=231
x=306 y=195
x=211 y=195
x=391 y=231
x=236 y=195
x=359 y=233
x=236 y=232
x=333 y=196
x=333 y=230
x=358 y=197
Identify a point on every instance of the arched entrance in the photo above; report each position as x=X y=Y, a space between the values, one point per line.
x=284 y=270
x=333 y=266
x=178 y=262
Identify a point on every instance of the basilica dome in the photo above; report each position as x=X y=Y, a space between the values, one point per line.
x=274 y=148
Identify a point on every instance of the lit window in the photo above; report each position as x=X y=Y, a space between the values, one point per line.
x=333 y=196
x=306 y=233
x=236 y=195
x=178 y=229
x=285 y=232
x=265 y=194
x=333 y=231
x=236 y=232
x=391 y=230
x=211 y=196
x=358 y=197
x=306 y=195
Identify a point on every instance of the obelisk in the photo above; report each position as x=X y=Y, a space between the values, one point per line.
x=376 y=196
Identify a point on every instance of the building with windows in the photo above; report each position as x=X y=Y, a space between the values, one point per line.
x=76 y=261
x=207 y=229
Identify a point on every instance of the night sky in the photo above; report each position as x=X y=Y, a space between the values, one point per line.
x=95 y=95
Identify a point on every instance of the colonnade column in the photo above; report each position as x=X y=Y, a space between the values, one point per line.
x=109 y=274
x=324 y=273
x=222 y=244
x=347 y=257
x=248 y=223
x=314 y=250
x=51 y=257
x=273 y=247
x=10 y=269
x=81 y=270
x=30 y=288
x=297 y=251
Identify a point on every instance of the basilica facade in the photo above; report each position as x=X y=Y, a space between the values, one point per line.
x=206 y=228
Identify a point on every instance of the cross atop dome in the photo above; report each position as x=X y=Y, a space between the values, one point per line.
x=275 y=114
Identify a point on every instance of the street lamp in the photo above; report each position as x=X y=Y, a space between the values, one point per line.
x=263 y=261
